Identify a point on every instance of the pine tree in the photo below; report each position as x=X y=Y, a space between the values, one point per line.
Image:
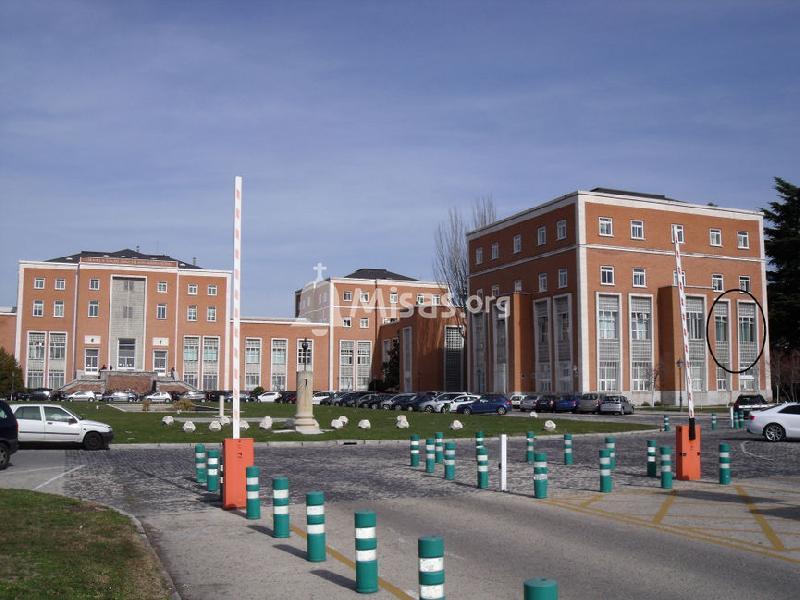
x=782 y=247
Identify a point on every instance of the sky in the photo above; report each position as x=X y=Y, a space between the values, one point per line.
x=357 y=125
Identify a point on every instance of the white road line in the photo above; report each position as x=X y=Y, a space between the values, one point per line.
x=52 y=479
x=754 y=455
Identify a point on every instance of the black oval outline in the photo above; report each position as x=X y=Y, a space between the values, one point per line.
x=763 y=330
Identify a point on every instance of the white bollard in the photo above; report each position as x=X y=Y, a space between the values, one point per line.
x=503 y=454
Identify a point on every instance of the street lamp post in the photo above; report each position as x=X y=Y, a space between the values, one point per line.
x=680 y=363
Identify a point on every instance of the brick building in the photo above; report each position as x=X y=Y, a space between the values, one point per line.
x=589 y=298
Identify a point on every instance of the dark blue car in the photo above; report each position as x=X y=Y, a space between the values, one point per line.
x=487 y=403
x=567 y=403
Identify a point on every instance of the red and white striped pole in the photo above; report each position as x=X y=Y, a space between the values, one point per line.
x=685 y=330
x=237 y=277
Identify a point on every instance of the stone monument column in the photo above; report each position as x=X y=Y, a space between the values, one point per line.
x=304 y=421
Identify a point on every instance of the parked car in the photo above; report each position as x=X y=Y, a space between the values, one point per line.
x=9 y=437
x=84 y=395
x=288 y=398
x=374 y=401
x=528 y=402
x=159 y=397
x=438 y=403
x=748 y=402
x=399 y=402
x=546 y=403
x=331 y=399
x=193 y=396
x=318 y=397
x=40 y=394
x=269 y=397
x=351 y=400
x=516 y=399
x=567 y=403
x=243 y=397
x=52 y=423
x=589 y=403
x=120 y=396
x=487 y=403
x=781 y=422
x=617 y=405
x=461 y=400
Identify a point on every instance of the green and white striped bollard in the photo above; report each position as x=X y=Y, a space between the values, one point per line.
x=540 y=475
x=200 y=470
x=541 y=589
x=652 y=467
x=315 y=527
x=280 y=507
x=414 y=450
x=430 y=456
x=430 y=551
x=567 y=448
x=478 y=442
x=253 y=503
x=483 y=468
x=530 y=444
x=366 y=552
x=212 y=481
x=221 y=475
x=666 y=422
x=713 y=421
x=439 y=447
x=606 y=482
x=450 y=461
x=666 y=467
x=724 y=464
x=611 y=446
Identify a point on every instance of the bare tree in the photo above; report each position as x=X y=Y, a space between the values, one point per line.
x=653 y=374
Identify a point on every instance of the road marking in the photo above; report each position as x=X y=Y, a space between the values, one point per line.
x=391 y=588
x=767 y=530
x=591 y=500
x=59 y=476
x=665 y=506
x=754 y=455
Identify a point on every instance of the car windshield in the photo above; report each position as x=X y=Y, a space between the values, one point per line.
x=612 y=401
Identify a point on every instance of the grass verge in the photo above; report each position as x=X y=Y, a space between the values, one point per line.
x=147 y=428
x=56 y=547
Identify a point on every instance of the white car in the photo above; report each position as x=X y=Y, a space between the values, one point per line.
x=776 y=423
x=462 y=399
x=84 y=395
x=320 y=396
x=269 y=397
x=159 y=397
x=54 y=424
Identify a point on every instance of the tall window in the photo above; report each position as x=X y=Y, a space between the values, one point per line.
x=639 y=278
x=606 y=226
x=541 y=236
x=36 y=346
x=542 y=282
x=478 y=256
x=743 y=239
x=346 y=351
x=637 y=230
x=192 y=289
x=607 y=275
x=717 y=282
x=90 y=360
x=393 y=298
x=58 y=346
x=160 y=362
x=126 y=353
x=279 y=360
x=364 y=323
x=94 y=284
x=420 y=299
x=748 y=346
x=58 y=308
x=305 y=357
x=212 y=289
x=210 y=363
x=561 y=229
x=722 y=339
x=161 y=312
x=211 y=314
x=191 y=360
x=94 y=308
x=191 y=312
x=744 y=283
x=363 y=364
x=715 y=237
x=562 y=278
x=518 y=285
x=608 y=345
x=641 y=343
x=38 y=308
x=61 y=283
x=252 y=363
x=676 y=230
x=675 y=278
x=517 y=244
x=495 y=250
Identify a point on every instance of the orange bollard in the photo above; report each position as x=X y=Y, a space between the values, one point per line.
x=687 y=454
x=238 y=455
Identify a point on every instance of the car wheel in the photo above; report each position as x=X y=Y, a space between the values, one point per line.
x=467 y=411
x=501 y=411
x=446 y=408
x=774 y=432
x=93 y=441
x=428 y=409
x=5 y=456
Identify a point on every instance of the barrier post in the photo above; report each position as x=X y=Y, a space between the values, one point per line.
x=366 y=553
x=540 y=475
x=529 y=448
x=478 y=442
x=568 y=449
x=212 y=482
x=253 y=503
x=541 y=589
x=439 y=447
x=611 y=446
x=430 y=551
x=713 y=421
x=414 y=462
x=483 y=468
x=450 y=461
x=430 y=456
x=666 y=422
x=666 y=467
x=315 y=527
x=730 y=415
x=724 y=464
x=200 y=471
x=652 y=467
x=280 y=507
x=606 y=483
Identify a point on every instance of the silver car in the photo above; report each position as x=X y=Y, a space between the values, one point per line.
x=617 y=405
x=440 y=403
x=528 y=402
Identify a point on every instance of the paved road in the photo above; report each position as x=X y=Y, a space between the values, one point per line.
x=703 y=541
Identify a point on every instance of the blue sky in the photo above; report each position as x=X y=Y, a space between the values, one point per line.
x=356 y=125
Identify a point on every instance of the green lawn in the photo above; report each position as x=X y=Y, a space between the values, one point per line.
x=147 y=427
x=716 y=408
x=56 y=547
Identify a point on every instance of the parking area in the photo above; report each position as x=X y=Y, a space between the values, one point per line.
x=689 y=542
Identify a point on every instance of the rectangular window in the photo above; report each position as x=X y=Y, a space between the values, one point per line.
x=94 y=284
x=495 y=291
x=607 y=275
x=160 y=362
x=364 y=296
x=639 y=277
x=192 y=289
x=210 y=363
x=743 y=240
x=561 y=229
x=38 y=283
x=252 y=363
x=127 y=312
x=126 y=353
x=161 y=312
x=562 y=278
x=676 y=230
x=363 y=364
x=393 y=298
x=364 y=323
x=541 y=236
x=191 y=312
x=609 y=372
x=420 y=299
x=211 y=314
x=640 y=325
x=346 y=352
x=721 y=338
x=127 y=285
x=94 y=308
x=191 y=360
x=35 y=346
x=744 y=283
x=61 y=283
x=715 y=237
x=387 y=320
x=637 y=230
x=305 y=357
x=495 y=250
x=641 y=344
x=90 y=360
x=436 y=299
x=212 y=289
x=58 y=308
x=38 y=308
x=347 y=322
x=717 y=282
x=606 y=226
x=478 y=256
x=608 y=324
x=161 y=287
x=347 y=296
x=675 y=278
x=517 y=244
x=279 y=364
x=542 y=282
x=518 y=285
x=58 y=346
